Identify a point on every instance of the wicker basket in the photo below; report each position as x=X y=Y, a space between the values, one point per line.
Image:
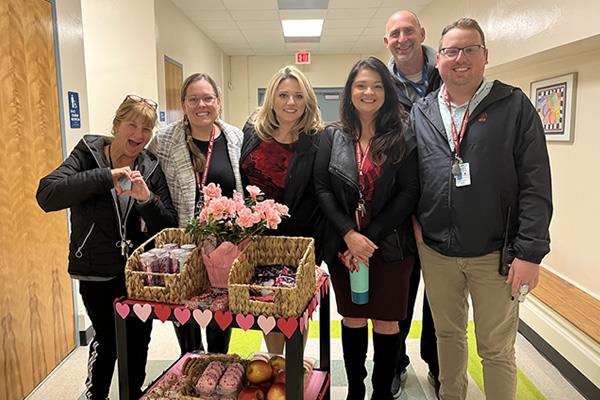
x=178 y=287
x=297 y=252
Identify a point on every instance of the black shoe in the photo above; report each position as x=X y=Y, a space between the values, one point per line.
x=433 y=381
x=398 y=383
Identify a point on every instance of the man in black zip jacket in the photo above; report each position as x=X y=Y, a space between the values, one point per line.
x=413 y=67
x=118 y=198
x=485 y=176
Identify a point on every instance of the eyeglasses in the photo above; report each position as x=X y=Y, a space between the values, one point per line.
x=469 y=51
x=193 y=101
x=137 y=99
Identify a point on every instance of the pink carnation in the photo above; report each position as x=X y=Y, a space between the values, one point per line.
x=238 y=200
x=253 y=191
x=219 y=208
x=203 y=216
x=211 y=191
x=245 y=218
x=273 y=219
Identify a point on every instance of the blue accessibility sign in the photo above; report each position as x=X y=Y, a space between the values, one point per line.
x=74 y=113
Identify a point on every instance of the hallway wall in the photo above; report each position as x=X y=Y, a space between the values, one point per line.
x=120 y=56
x=178 y=38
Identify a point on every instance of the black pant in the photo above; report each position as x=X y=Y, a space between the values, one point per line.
x=98 y=298
x=428 y=339
x=189 y=337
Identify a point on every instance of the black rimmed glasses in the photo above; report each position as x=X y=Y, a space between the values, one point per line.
x=469 y=51
x=134 y=98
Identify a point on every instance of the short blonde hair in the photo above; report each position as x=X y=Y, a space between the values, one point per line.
x=265 y=120
x=130 y=110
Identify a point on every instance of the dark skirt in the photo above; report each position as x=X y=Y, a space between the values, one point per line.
x=388 y=289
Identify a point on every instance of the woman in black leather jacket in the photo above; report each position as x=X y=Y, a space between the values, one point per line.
x=118 y=198
x=366 y=172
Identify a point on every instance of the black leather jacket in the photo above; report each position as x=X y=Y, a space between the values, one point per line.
x=395 y=199
x=83 y=183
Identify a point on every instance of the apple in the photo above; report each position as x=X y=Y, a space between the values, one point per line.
x=251 y=393
x=279 y=377
x=276 y=392
x=277 y=363
x=258 y=371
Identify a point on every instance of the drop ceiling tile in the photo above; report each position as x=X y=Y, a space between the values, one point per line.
x=384 y=12
x=351 y=33
x=255 y=15
x=358 y=24
x=301 y=46
x=272 y=25
x=333 y=4
x=351 y=13
x=209 y=15
x=374 y=31
x=199 y=4
x=230 y=36
x=250 y=4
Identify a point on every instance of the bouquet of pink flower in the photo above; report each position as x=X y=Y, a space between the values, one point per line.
x=224 y=225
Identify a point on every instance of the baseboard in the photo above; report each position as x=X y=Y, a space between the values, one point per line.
x=86 y=336
x=573 y=353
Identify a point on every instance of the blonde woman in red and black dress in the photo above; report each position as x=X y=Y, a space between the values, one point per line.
x=366 y=171
x=278 y=153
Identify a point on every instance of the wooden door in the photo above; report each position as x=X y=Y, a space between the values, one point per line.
x=36 y=306
x=173 y=81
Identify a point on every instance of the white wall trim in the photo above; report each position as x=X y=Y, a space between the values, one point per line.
x=574 y=345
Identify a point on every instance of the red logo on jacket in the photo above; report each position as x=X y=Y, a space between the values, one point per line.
x=482 y=117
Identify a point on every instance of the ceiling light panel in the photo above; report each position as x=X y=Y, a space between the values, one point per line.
x=302 y=27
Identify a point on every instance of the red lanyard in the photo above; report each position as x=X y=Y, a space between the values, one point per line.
x=201 y=183
x=361 y=157
x=457 y=137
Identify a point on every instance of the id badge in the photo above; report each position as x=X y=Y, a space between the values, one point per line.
x=464 y=178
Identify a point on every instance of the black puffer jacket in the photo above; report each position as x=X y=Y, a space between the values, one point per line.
x=395 y=199
x=83 y=183
x=506 y=150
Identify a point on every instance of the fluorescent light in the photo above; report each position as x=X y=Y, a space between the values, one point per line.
x=302 y=27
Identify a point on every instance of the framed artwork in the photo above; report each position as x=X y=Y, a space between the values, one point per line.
x=554 y=100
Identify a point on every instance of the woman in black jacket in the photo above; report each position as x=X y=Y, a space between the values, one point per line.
x=367 y=186
x=278 y=154
x=118 y=198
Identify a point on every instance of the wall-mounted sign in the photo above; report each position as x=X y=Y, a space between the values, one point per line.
x=303 y=57
x=74 y=113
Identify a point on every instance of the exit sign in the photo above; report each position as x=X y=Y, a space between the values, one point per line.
x=303 y=57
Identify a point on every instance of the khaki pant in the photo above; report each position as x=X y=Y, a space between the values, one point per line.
x=448 y=282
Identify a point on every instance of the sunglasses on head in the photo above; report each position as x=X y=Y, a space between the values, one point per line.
x=133 y=97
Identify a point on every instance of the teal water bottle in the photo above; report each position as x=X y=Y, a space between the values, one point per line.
x=359 y=284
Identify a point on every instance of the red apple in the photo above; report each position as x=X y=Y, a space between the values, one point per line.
x=279 y=377
x=276 y=392
x=251 y=393
x=258 y=371
x=277 y=363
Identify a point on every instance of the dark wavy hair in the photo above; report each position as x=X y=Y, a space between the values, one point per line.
x=388 y=142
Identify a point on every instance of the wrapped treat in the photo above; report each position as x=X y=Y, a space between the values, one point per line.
x=188 y=247
x=146 y=261
x=169 y=246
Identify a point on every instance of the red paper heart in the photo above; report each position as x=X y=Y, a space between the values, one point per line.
x=122 y=309
x=244 y=322
x=182 y=314
x=162 y=311
x=287 y=326
x=223 y=319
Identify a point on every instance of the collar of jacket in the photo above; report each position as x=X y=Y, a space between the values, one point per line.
x=343 y=158
x=429 y=106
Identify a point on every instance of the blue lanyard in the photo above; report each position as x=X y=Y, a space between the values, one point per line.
x=425 y=77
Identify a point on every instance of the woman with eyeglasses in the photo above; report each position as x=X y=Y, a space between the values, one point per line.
x=278 y=154
x=118 y=198
x=367 y=185
x=194 y=151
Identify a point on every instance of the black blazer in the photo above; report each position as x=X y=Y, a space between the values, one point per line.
x=305 y=216
x=395 y=199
